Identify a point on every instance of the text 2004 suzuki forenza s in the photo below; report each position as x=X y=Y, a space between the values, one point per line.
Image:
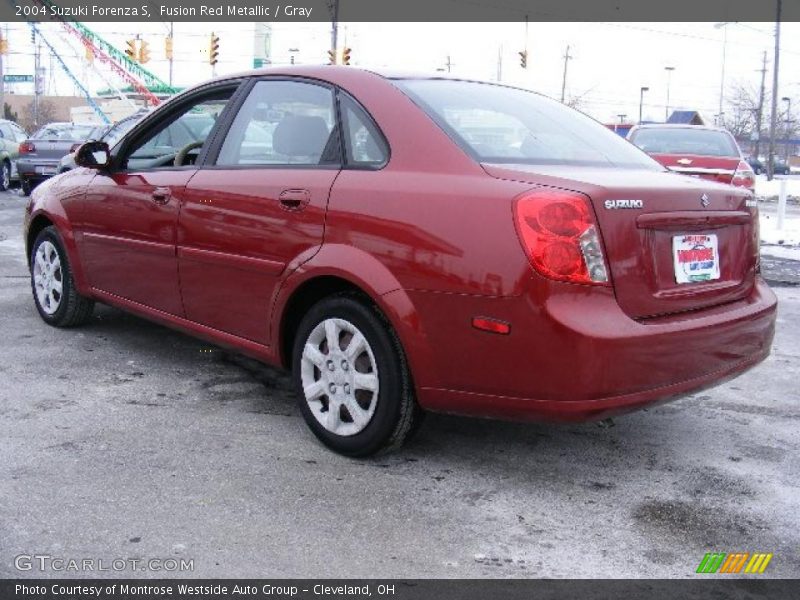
x=410 y=243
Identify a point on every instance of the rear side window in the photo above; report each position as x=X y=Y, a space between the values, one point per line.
x=685 y=140
x=283 y=123
x=498 y=124
x=364 y=144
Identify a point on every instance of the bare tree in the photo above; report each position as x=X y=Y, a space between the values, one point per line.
x=47 y=114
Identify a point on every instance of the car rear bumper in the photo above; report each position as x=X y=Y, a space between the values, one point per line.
x=579 y=357
x=31 y=168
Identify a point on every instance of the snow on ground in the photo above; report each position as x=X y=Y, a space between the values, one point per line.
x=788 y=236
x=769 y=190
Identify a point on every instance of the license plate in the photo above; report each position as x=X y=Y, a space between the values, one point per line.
x=696 y=258
x=46 y=170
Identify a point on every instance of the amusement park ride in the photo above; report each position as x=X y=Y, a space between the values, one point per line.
x=136 y=77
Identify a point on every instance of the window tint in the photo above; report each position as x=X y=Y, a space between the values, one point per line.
x=364 y=144
x=499 y=124
x=283 y=123
x=189 y=127
x=685 y=140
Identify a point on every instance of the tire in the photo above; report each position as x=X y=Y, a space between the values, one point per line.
x=5 y=176
x=757 y=170
x=363 y=422
x=26 y=186
x=49 y=270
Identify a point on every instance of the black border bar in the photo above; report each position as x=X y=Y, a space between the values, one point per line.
x=400 y=10
x=732 y=588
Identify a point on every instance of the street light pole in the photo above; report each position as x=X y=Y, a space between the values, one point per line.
x=724 y=27
x=669 y=71
x=642 y=90
x=774 y=116
x=788 y=122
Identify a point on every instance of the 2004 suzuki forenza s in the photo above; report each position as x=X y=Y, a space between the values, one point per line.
x=406 y=244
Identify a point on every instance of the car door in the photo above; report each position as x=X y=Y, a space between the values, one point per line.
x=259 y=204
x=129 y=216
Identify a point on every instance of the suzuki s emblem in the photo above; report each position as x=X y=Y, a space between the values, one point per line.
x=704 y=200
x=684 y=161
x=614 y=204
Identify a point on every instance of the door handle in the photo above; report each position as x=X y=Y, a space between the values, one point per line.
x=161 y=195
x=295 y=199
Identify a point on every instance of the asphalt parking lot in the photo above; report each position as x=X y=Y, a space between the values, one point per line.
x=125 y=439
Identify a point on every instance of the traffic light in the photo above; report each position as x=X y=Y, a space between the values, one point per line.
x=131 y=50
x=346 y=56
x=168 y=47
x=144 y=52
x=3 y=45
x=331 y=57
x=213 y=49
x=523 y=59
x=88 y=54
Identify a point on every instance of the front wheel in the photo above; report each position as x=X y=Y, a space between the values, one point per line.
x=352 y=378
x=5 y=176
x=58 y=302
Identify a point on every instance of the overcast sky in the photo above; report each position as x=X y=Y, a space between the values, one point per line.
x=611 y=61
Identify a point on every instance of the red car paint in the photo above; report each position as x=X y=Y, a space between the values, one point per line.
x=730 y=168
x=431 y=238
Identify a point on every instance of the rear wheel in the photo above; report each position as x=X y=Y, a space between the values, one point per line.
x=58 y=302
x=27 y=186
x=352 y=378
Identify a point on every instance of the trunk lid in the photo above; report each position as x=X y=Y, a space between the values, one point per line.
x=639 y=237
x=713 y=168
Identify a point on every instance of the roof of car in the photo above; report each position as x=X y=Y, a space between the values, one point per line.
x=678 y=126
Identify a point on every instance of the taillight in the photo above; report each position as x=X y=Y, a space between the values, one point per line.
x=27 y=148
x=744 y=176
x=558 y=233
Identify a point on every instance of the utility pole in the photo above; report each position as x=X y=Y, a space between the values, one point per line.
x=172 y=40
x=760 y=109
x=500 y=63
x=567 y=58
x=4 y=44
x=37 y=83
x=669 y=71
x=773 y=122
x=333 y=7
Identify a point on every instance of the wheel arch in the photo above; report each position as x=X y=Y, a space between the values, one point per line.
x=348 y=269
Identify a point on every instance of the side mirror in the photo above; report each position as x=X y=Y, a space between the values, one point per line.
x=93 y=155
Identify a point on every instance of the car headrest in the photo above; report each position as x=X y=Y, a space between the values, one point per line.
x=298 y=135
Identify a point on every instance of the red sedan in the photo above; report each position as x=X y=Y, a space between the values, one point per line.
x=707 y=152
x=406 y=244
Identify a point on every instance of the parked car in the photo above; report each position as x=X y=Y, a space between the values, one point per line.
x=759 y=166
x=40 y=154
x=705 y=152
x=11 y=135
x=404 y=244
x=109 y=134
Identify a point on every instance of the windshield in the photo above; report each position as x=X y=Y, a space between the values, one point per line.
x=59 y=132
x=685 y=140
x=498 y=124
x=115 y=133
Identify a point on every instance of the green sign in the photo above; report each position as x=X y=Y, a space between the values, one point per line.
x=18 y=78
x=261 y=62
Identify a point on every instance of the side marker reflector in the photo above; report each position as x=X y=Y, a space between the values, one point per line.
x=491 y=325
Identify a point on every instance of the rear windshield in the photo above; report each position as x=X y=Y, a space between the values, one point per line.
x=63 y=132
x=498 y=124
x=685 y=140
